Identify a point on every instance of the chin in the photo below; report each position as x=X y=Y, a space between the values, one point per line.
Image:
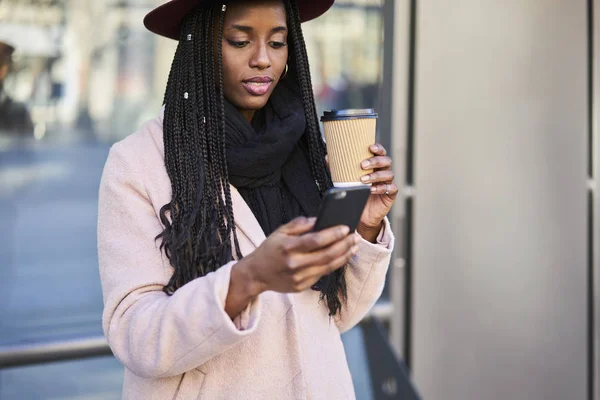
x=255 y=103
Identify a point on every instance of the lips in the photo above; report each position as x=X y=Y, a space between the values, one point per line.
x=258 y=85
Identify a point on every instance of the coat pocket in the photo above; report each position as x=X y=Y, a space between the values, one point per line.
x=190 y=386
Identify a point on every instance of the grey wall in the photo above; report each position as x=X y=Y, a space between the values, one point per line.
x=500 y=224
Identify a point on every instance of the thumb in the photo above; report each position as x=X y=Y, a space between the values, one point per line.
x=298 y=226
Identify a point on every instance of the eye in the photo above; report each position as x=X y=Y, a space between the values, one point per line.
x=238 y=44
x=277 y=45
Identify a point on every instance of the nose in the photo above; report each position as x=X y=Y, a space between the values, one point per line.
x=260 y=58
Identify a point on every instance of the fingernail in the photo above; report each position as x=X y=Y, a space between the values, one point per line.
x=365 y=178
x=365 y=164
x=345 y=230
x=354 y=249
x=312 y=220
x=373 y=189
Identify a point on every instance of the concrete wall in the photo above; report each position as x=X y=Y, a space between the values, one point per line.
x=500 y=222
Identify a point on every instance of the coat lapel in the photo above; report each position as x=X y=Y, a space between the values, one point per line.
x=245 y=221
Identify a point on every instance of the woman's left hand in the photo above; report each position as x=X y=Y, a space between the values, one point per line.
x=383 y=192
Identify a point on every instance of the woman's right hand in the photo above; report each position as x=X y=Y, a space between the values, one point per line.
x=293 y=258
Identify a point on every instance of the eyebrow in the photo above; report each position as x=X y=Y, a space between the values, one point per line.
x=247 y=29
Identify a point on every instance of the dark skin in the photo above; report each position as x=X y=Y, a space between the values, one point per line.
x=254 y=46
x=291 y=259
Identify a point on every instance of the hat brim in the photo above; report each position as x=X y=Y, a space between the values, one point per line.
x=166 y=19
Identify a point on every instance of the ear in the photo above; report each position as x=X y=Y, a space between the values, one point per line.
x=3 y=72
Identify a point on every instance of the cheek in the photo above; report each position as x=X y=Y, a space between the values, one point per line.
x=282 y=60
x=229 y=71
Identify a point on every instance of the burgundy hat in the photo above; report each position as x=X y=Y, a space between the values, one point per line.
x=166 y=19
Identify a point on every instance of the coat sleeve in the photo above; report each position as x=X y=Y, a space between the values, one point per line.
x=365 y=278
x=155 y=335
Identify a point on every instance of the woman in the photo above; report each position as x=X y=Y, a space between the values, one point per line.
x=214 y=285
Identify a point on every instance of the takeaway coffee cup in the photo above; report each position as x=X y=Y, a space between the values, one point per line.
x=348 y=135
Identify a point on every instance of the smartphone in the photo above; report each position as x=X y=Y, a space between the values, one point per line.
x=342 y=206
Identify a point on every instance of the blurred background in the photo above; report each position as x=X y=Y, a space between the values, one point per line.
x=489 y=110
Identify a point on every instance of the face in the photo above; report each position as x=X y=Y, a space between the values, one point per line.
x=255 y=53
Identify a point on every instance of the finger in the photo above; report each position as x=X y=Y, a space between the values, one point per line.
x=382 y=188
x=387 y=175
x=378 y=149
x=379 y=162
x=298 y=226
x=328 y=254
x=338 y=262
x=308 y=277
x=317 y=240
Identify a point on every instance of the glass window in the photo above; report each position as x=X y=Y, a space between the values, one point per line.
x=346 y=64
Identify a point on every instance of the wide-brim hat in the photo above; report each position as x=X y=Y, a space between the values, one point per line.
x=166 y=19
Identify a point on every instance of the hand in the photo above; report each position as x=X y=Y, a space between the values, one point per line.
x=293 y=258
x=383 y=192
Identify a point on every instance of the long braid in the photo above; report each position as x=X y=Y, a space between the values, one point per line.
x=224 y=169
x=333 y=287
x=215 y=126
x=197 y=238
x=217 y=139
x=201 y=112
x=302 y=70
x=196 y=168
x=199 y=222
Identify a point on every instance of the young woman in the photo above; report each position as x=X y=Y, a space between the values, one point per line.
x=214 y=285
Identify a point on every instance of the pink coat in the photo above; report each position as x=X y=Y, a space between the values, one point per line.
x=283 y=346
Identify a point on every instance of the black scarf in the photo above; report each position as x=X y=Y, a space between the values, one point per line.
x=268 y=160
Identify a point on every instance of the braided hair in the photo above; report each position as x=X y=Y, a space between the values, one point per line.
x=201 y=235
